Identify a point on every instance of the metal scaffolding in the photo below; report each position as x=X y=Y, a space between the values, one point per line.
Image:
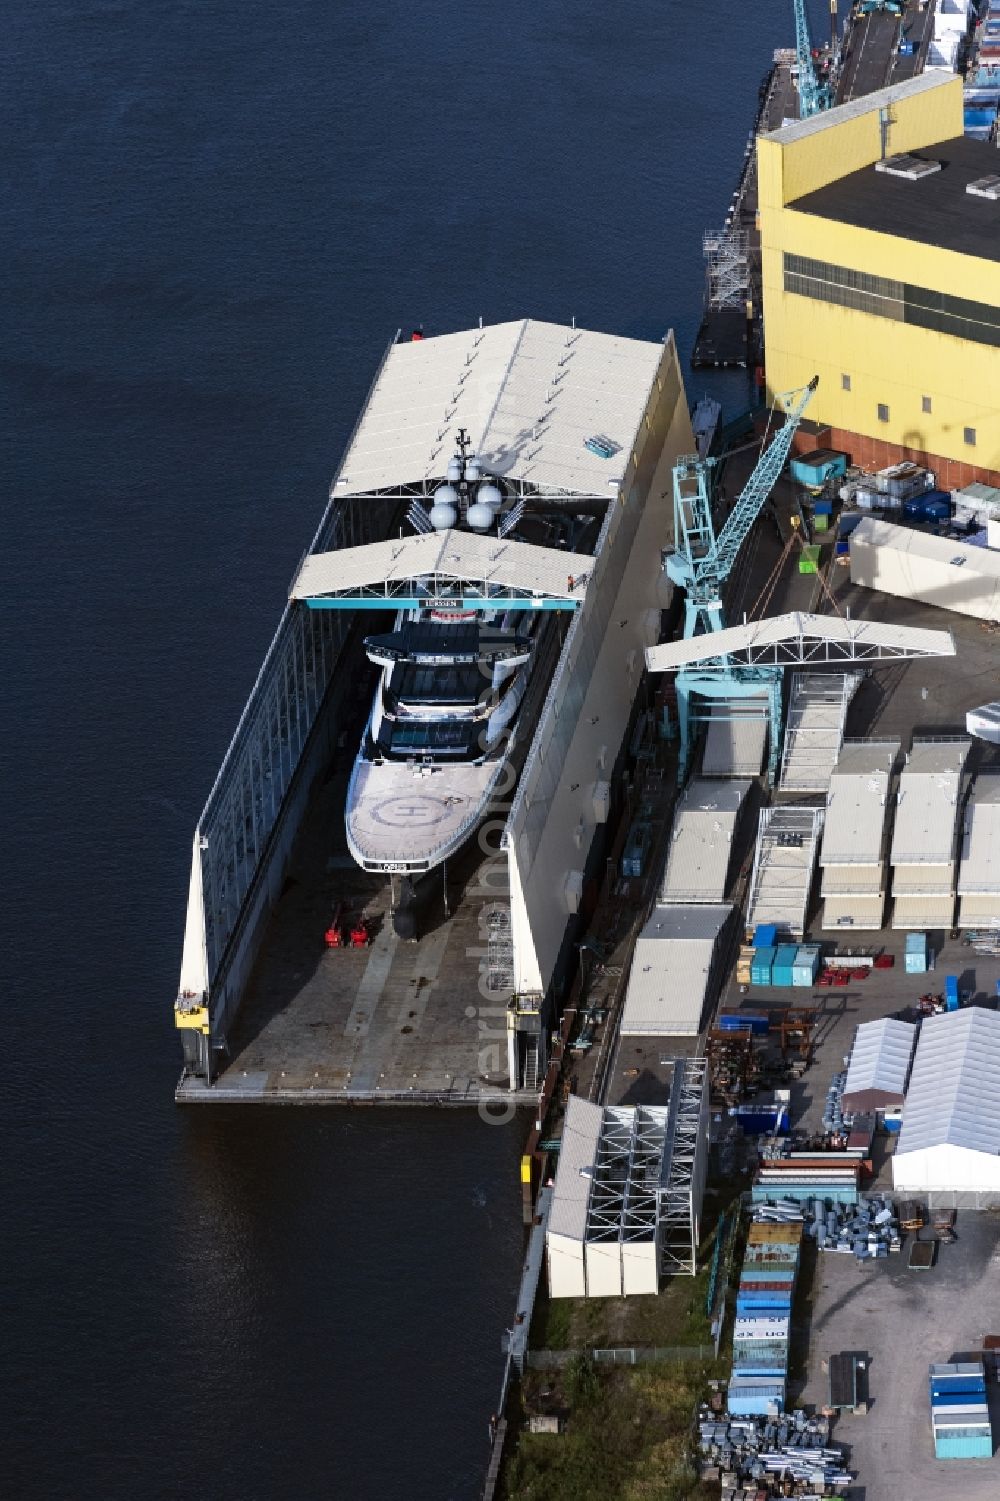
x=727 y=268
x=682 y=1168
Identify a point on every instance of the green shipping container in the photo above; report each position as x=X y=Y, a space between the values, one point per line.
x=809 y=560
x=821 y=523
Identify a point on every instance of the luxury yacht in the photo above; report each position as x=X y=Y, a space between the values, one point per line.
x=444 y=717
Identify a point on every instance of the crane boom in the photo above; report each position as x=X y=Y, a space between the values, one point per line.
x=701 y=562
x=813 y=95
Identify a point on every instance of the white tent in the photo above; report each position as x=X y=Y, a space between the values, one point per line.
x=950 y=1139
x=879 y=1066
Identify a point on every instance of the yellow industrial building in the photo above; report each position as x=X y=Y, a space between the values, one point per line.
x=880 y=242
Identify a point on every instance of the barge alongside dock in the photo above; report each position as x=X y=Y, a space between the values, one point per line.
x=581 y=420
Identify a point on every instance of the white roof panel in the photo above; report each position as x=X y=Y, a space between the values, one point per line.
x=805 y=639
x=980 y=867
x=577 y=1155
x=701 y=841
x=671 y=969
x=867 y=104
x=857 y=803
x=880 y=1059
x=927 y=803
x=953 y=1098
x=452 y=554
x=530 y=394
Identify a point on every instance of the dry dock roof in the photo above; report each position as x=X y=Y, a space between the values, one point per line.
x=529 y=394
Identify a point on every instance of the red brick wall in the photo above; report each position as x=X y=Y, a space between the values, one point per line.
x=875 y=453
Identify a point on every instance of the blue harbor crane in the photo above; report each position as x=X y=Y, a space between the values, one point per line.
x=813 y=95
x=701 y=562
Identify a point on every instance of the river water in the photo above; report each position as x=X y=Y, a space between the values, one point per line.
x=217 y=214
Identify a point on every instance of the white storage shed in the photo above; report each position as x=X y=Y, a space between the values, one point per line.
x=935 y=570
x=879 y=1067
x=949 y=1145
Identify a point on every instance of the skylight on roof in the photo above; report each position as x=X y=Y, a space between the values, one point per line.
x=985 y=187
x=910 y=167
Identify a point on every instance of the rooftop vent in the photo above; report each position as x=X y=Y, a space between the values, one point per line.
x=911 y=167
x=984 y=187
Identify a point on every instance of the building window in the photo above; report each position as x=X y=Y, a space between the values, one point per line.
x=845 y=381
x=900 y=301
x=970 y=436
x=925 y=403
x=883 y=412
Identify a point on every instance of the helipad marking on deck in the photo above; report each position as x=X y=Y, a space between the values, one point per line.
x=418 y=811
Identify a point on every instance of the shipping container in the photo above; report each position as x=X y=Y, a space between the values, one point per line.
x=762 y=966
x=806 y=965
x=756 y=1022
x=765 y=935
x=783 y=968
x=815 y=468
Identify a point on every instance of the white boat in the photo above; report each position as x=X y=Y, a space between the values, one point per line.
x=443 y=722
x=704 y=421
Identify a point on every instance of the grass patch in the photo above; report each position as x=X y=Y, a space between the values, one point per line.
x=676 y=1316
x=627 y=1435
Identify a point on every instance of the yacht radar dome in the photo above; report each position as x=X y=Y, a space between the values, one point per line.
x=489 y=495
x=454 y=471
x=444 y=511
x=480 y=516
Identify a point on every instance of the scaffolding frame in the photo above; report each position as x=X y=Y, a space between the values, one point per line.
x=727 y=267
x=784 y=864
x=682 y=1169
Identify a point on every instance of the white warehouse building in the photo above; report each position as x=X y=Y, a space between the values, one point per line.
x=626 y=1204
x=949 y=1145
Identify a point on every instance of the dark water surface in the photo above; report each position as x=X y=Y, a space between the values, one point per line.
x=216 y=215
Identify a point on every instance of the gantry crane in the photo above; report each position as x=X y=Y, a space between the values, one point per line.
x=813 y=95
x=700 y=563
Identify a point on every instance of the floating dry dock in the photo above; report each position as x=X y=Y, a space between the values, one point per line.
x=561 y=415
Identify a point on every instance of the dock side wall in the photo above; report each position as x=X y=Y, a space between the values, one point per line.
x=552 y=826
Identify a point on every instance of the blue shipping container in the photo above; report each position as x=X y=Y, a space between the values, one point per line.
x=848 y=521
x=762 y=965
x=756 y=1022
x=971 y=1447
x=765 y=935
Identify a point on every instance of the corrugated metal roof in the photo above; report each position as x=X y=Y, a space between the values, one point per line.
x=781 y=635
x=530 y=394
x=868 y=104
x=857 y=804
x=671 y=969
x=577 y=1155
x=926 y=819
x=446 y=555
x=979 y=870
x=701 y=841
x=735 y=741
x=880 y=1060
x=953 y=1098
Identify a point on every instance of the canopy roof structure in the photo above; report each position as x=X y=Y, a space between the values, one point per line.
x=531 y=396
x=952 y=1100
x=797 y=640
x=880 y=1065
x=469 y=568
